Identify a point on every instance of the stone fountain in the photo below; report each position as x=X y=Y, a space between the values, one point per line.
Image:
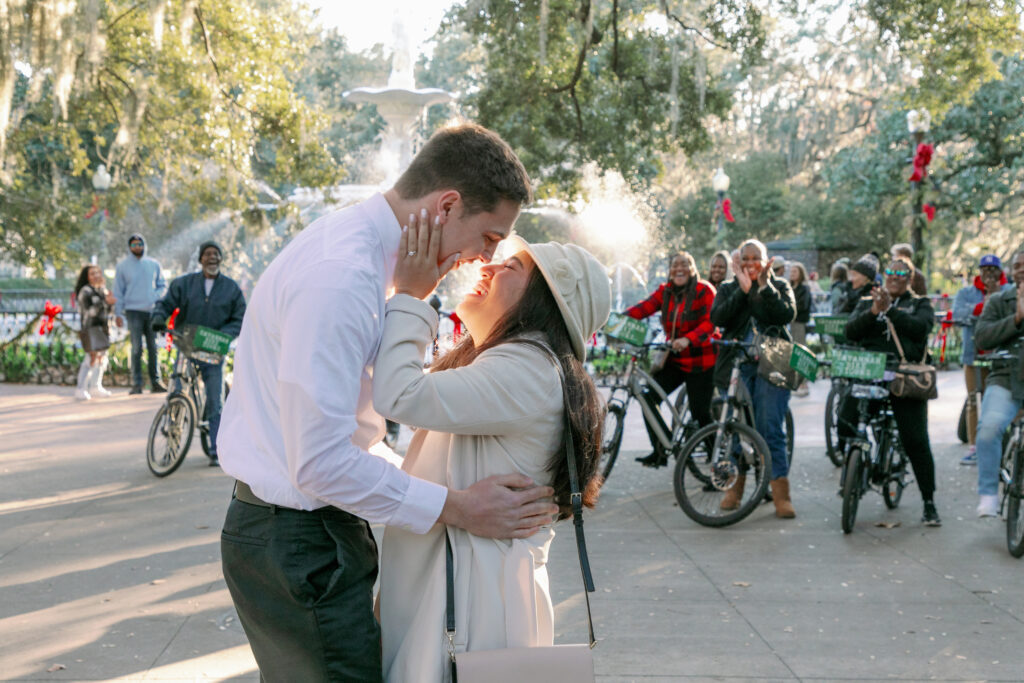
x=401 y=104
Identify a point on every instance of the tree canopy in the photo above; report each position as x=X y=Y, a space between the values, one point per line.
x=189 y=105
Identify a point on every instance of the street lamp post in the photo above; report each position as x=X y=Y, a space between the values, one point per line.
x=100 y=183
x=720 y=184
x=918 y=123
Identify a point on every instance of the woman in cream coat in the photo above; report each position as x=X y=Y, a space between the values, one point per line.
x=488 y=407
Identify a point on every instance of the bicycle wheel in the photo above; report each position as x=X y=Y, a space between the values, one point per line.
x=1014 y=509
x=832 y=449
x=170 y=435
x=896 y=481
x=701 y=483
x=611 y=438
x=853 y=487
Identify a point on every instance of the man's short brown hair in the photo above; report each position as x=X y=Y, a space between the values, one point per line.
x=472 y=160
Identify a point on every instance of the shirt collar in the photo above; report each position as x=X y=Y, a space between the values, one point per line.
x=386 y=224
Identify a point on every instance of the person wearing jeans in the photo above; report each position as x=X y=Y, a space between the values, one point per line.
x=1000 y=327
x=140 y=328
x=211 y=299
x=138 y=285
x=755 y=302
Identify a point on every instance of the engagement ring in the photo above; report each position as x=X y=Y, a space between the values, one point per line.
x=411 y=253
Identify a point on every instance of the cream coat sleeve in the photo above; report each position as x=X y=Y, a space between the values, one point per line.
x=503 y=389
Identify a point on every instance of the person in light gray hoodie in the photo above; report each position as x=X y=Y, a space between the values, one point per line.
x=138 y=285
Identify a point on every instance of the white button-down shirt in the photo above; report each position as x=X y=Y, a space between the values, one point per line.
x=300 y=420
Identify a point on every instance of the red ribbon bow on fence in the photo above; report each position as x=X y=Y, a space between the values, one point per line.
x=50 y=312
x=929 y=211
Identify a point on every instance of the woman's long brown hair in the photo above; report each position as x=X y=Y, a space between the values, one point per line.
x=538 y=314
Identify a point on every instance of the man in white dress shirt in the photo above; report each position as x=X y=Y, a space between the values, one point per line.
x=298 y=555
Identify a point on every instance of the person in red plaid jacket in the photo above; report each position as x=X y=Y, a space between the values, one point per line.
x=685 y=306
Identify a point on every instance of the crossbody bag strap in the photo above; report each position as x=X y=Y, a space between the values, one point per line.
x=576 y=498
x=896 y=338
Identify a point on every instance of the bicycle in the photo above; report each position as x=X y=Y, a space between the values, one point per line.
x=170 y=434
x=874 y=455
x=833 y=327
x=720 y=457
x=636 y=384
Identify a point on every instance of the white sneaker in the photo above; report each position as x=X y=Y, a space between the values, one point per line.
x=98 y=390
x=82 y=395
x=988 y=506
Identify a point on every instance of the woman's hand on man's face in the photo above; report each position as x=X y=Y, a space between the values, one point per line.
x=417 y=271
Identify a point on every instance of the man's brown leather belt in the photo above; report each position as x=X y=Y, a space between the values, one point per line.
x=245 y=494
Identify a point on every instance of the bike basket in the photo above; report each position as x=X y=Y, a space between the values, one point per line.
x=832 y=325
x=854 y=364
x=202 y=343
x=211 y=341
x=625 y=329
x=803 y=360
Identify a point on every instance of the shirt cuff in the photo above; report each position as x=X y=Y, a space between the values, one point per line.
x=422 y=506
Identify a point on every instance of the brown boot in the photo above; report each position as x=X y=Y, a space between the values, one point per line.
x=732 y=498
x=780 y=496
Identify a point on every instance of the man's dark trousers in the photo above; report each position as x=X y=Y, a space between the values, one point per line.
x=302 y=584
x=140 y=325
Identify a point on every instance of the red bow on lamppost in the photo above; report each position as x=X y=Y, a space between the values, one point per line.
x=170 y=326
x=727 y=210
x=922 y=158
x=50 y=312
x=720 y=184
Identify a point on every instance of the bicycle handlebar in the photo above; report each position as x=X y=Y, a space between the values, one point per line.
x=736 y=343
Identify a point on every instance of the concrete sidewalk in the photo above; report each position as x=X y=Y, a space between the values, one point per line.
x=107 y=573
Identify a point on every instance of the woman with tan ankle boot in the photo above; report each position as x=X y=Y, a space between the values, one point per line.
x=756 y=302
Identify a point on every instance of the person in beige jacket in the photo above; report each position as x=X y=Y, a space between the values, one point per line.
x=491 y=406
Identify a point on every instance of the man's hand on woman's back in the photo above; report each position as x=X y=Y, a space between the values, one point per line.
x=501 y=506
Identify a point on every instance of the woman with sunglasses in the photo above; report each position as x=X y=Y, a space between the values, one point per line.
x=912 y=317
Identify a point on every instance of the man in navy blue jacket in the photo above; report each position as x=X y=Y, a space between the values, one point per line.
x=211 y=299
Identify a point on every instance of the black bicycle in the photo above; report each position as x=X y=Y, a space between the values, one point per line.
x=728 y=455
x=170 y=434
x=873 y=456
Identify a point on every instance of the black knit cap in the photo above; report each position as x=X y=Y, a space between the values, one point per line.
x=866 y=267
x=210 y=243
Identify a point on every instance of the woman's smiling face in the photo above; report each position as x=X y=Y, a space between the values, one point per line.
x=718 y=269
x=500 y=288
x=680 y=271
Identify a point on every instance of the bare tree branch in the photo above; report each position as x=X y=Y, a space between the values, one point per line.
x=692 y=29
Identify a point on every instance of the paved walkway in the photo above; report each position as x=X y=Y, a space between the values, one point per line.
x=107 y=573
